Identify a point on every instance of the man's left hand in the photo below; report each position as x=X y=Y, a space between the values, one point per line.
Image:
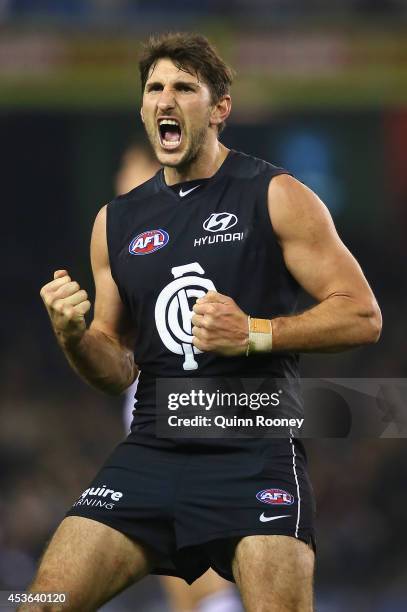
x=219 y=325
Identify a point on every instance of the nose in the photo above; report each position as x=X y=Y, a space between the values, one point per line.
x=166 y=100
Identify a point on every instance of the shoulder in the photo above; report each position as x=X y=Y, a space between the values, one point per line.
x=294 y=207
x=99 y=224
x=98 y=245
x=148 y=189
x=248 y=166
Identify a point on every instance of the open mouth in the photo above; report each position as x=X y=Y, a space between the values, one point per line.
x=170 y=133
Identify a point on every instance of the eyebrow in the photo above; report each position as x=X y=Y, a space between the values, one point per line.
x=193 y=84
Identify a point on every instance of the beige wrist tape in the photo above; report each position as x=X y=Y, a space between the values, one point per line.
x=260 y=336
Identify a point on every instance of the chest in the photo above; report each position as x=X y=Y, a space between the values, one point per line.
x=215 y=229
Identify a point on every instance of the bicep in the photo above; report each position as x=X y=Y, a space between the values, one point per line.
x=110 y=314
x=312 y=250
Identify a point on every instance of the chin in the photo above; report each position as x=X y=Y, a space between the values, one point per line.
x=171 y=158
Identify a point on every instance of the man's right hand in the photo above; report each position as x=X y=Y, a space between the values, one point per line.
x=67 y=305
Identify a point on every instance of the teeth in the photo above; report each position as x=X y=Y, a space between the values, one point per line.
x=170 y=143
x=168 y=122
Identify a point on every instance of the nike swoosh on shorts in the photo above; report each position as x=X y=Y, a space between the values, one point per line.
x=265 y=519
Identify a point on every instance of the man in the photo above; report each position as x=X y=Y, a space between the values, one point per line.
x=175 y=506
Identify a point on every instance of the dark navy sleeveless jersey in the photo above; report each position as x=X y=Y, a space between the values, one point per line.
x=168 y=246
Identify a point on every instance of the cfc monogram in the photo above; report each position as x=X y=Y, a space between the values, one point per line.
x=175 y=330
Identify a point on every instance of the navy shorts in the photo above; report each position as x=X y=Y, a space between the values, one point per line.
x=191 y=507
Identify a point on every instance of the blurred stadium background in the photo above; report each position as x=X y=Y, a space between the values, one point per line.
x=321 y=88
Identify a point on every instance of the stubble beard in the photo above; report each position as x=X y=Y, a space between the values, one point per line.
x=198 y=138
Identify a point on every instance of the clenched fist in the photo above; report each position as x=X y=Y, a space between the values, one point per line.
x=219 y=325
x=67 y=305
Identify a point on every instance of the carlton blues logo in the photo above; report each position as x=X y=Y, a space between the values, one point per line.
x=275 y=497
x=173 y=311
x=148 y=242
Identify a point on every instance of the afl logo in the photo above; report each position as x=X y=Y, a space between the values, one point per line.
x=275 y=497
x=219 y=222
x=173 y=311
x=148 y=242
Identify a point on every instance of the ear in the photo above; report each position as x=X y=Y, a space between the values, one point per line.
x=221 y=110
x=142 y=114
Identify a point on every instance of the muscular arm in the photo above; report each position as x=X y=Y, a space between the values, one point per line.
x=347 y=313
x=103 y=353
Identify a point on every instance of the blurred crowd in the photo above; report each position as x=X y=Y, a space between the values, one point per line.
x=92 y=11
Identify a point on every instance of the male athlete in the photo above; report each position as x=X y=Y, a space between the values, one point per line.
x=173 y=506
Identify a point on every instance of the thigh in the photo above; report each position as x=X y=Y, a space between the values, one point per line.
x=274 y=573
x=90 y=562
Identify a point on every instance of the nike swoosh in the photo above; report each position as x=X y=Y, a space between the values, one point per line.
x=184 y=193
x=265 y=519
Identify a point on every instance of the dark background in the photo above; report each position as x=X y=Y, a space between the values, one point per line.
x=59 y=156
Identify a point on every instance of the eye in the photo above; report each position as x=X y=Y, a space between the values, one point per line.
x=154 y=87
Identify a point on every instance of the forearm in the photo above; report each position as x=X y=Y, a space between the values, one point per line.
x=336 y=324
x=100 y=360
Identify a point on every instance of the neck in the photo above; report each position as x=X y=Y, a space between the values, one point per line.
x=206 y=164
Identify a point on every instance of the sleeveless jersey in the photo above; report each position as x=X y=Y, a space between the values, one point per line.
x=168 y=247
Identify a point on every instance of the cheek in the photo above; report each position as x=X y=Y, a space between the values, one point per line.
x=198 y=118
x=149 y=125
x=147 y=113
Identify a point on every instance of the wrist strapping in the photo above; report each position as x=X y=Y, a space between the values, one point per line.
x=260 y=336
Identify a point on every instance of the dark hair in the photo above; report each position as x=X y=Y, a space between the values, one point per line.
x=190 y=52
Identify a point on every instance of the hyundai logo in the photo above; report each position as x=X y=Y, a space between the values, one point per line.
x=219 y=222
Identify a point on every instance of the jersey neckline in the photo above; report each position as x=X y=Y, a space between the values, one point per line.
x=207 y=182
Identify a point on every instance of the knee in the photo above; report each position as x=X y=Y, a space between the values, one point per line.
x=274 y=574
